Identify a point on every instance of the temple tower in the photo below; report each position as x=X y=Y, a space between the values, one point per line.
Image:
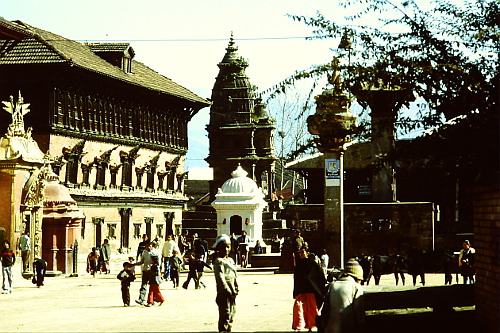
x=240 y=131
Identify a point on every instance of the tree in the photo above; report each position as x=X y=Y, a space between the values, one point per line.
x=290 y=112
x=447 y=55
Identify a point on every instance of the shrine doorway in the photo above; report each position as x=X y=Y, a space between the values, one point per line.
x=235 y=224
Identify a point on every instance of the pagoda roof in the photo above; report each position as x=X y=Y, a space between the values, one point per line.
x=25 y=44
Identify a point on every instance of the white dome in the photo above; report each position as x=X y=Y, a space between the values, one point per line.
x=240 y=183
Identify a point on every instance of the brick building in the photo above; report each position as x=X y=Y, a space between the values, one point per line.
x=115 y=128
x=487 y=245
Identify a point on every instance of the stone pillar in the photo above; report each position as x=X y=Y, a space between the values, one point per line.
x=334 y=204
x=54 y=251
x=384 y=105
x=333 y=122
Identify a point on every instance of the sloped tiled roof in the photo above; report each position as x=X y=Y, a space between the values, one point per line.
x=111 y=48
x=108 y=47
x=45 y=47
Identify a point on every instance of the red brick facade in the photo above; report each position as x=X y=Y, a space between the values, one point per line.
x=486 y=243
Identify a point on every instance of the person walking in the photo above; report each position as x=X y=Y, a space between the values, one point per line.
x=309 y=286
x=167 y=252
x=234 y=248
x=199 y=247
x=126 y=276
x=200 y=266
x=184 y=243
x=243 y=248
x=8 y=259
x=25 y=247
x=297 y=242
x=142 y=246
x=175 y=267
x=226 y=282
x=466 y=262
x=343 y=310
x=276 y=244
x=145 y=263
x=324 y=258
x=192 y=274
x=93 y=262
x=39 y=269
x=154 y=294
x=104 y=257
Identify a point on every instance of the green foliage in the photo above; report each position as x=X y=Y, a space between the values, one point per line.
x=447 y=55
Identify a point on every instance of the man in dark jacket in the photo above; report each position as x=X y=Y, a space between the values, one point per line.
x=40 y=267
x=8 y=259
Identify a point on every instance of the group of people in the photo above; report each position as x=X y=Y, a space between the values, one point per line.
x=224 y=269
x=8 y=259
x=338 y=298
x=98 y=260
x=240 y=247
x=331 y=303
x=173 y=261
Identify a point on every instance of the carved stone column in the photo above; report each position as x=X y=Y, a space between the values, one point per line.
x=139 y=172
x=113 y=170
x=86 y=168
x=161 y=178
x=333 y=122
x=384 y=105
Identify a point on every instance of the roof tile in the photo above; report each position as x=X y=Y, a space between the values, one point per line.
x=46 y=47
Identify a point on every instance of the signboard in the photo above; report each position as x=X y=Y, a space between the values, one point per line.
x=332 y=172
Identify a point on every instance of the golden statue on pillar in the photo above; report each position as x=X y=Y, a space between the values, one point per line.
x=17 y=110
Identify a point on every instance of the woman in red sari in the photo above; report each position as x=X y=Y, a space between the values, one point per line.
x=154 y=283
x=309 y=285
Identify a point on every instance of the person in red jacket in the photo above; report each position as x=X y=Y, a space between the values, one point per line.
x=8 y=259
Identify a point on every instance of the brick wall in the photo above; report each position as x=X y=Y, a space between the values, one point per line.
x=486 y=243
x=388 y=228
x=372 y=228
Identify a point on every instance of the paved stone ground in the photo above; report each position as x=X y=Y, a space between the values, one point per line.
x=86 y=304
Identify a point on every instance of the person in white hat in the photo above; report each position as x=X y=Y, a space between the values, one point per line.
x=225 y=279
x=343 y=310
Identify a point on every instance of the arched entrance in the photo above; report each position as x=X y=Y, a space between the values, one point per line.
x=235 y=224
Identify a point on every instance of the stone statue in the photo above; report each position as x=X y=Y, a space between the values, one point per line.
x=334 y=78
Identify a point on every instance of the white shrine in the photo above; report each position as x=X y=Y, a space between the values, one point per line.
x=239 y=204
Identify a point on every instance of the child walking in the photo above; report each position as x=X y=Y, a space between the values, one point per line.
x=126 y=276
x=225 y=279
x=154 y=283
x=200 y=265
x=192 y=274
x=92 y=262
x=175 y=267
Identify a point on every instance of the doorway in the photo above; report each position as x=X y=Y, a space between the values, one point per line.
x=235 y=224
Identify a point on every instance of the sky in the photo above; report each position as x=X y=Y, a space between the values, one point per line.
x=185 y=41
